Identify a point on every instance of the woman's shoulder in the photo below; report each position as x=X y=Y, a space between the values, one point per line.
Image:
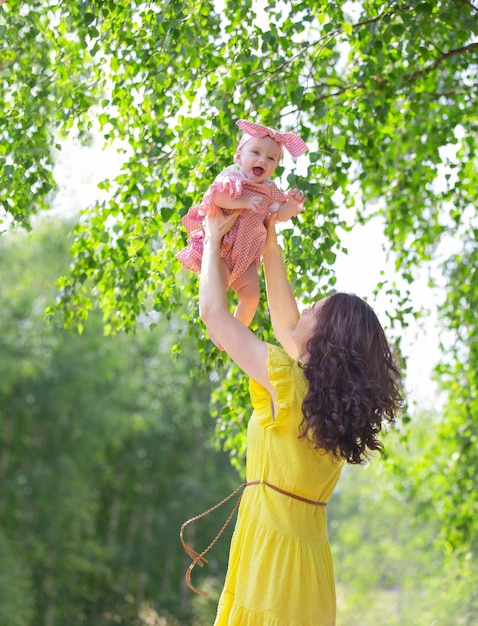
x=281 y=366
x=285 y=375
x=276 y=355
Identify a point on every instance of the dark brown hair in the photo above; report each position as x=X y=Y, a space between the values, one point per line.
x=355 y=384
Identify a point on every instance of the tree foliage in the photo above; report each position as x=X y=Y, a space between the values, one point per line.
x=392 y=565
x=379 y=91
x=105 y=450
x=384 y=94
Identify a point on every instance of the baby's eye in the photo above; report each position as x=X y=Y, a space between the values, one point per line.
x=272 y=159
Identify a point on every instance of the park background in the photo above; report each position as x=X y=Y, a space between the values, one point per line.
x=114 y=428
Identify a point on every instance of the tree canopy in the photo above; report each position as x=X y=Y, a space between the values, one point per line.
x=105 y=450
x=385 y=94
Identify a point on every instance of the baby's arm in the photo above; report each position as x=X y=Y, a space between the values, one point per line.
x=223 y=199
x=292 y=206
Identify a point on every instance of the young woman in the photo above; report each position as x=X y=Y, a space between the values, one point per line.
x=318 y=401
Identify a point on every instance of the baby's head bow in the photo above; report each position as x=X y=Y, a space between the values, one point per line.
x=290 y=141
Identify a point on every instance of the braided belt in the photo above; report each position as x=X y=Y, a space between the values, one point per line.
x=199 y=558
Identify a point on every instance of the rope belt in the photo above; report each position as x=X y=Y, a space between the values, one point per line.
x=199 y=558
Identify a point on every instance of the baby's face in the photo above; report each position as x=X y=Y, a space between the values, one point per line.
x=258 y=158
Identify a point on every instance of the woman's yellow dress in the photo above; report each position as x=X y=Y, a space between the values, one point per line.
x=280 y=568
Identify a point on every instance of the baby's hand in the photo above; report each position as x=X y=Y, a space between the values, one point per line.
x=255 y=203
x=297 y=197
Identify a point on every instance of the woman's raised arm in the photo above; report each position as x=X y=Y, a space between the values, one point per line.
x=282 y=304
x=244 y=348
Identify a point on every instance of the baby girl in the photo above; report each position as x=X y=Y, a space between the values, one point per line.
x=246 y=187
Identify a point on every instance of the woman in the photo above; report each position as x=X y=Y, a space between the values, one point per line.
x=319 y=401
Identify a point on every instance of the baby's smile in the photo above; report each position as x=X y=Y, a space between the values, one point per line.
x=258 y=171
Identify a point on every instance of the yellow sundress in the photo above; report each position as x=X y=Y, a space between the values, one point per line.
x=280 y=569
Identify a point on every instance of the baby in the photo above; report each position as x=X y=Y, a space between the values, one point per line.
x=245 y=186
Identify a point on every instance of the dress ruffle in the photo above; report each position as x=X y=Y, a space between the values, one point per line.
x=230 y=181
x=279 y=365
x=244 y=617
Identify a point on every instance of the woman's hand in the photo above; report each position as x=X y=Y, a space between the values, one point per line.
x=218 y=223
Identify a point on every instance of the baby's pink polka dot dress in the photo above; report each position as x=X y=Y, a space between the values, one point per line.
x=242 y=245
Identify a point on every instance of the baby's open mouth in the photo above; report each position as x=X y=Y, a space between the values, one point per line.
x=258 y=171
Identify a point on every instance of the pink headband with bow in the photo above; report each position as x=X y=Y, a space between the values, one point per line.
x=292 y=142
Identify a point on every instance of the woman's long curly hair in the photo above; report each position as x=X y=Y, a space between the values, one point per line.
x=355 y=384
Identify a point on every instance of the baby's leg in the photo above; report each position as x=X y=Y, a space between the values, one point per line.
x=247 y=288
